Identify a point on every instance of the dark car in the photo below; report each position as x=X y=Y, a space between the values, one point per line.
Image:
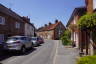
x=41 y=41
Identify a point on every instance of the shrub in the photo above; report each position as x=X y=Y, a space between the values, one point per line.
x=87 y=60
x=66 y=37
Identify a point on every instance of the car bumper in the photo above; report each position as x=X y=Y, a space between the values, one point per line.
x=13 y=47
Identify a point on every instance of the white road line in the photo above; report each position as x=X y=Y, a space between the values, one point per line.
x=55 y=56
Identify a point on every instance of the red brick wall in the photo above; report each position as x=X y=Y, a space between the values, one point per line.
x=89 y=5
x=9 y=27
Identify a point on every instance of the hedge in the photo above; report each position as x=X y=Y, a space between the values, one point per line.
x=87 y=60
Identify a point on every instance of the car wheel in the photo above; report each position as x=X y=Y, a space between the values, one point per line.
x=23 y=50
x=31 y=46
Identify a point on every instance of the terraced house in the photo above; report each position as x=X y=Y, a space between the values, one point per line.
x=77 y=36
x=29 y=29
x=91 y=8
x=12 y=24
x=51 y=31
x=80 y=37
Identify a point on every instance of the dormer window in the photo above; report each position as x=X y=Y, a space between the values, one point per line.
x=2 y=20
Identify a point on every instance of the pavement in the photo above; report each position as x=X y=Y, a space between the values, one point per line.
x=51 y=52
x=66 y=54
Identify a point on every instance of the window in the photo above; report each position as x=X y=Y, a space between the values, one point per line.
x=94 y=4
x=2 y=20
x=1 y=38
x=17 y=25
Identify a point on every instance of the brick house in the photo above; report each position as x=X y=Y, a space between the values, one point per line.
x=76 y=34
x=10 y=23
x=51 y=31
x=81 y=37
x=91 y=8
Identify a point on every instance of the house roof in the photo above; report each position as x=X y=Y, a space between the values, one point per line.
x=77 y=11
x=49 y=27
x=9 y=12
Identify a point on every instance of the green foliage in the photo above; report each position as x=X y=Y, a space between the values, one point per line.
x=87 y=21
x=87 y=60
x=66 y=37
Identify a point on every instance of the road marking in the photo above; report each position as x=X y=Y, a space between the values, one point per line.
x=55 y=56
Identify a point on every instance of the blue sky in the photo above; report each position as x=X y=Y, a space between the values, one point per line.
x=43 y=11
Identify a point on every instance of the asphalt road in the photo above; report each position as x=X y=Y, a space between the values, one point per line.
x=44 y=54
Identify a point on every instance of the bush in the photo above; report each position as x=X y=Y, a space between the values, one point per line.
x=87 y=21
x=87 y=60
x=66 y=37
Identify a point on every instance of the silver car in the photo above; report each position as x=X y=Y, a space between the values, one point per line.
x=35 y=41
x=19 y=43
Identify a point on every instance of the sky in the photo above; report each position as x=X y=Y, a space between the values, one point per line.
x=42 y=12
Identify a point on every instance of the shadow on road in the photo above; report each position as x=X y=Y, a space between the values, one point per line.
x=8 y=54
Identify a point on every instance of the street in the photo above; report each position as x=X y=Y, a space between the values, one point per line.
x=51 y=52
x=43 y=54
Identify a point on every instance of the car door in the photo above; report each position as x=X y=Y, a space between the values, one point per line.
x=25 y=41
x=28 y=42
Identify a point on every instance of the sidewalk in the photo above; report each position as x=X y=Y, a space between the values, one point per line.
x=66 y=55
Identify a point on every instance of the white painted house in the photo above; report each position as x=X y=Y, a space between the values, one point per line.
x=29 y=27
x=72 y=25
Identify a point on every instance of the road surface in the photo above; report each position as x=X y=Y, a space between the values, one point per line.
x=44 y=54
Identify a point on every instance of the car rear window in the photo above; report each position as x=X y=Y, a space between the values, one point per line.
x=13 y=38
x=34 y=38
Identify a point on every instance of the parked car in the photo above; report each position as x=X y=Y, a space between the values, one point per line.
x=41 y=41
x=35 y=41
x=18 y=43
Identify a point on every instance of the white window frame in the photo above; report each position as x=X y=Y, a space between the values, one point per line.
x=2 y=20
x=17 y=25
x=94 y=4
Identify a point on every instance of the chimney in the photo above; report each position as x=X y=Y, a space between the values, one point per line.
x=26 y=19
x=56 y=21
x=89 y=5
x=50 y=23
x=45 y=25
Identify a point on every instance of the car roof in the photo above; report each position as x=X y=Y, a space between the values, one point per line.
x=18 y=36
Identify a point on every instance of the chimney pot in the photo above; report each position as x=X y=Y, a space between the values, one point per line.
x=50 y=23
x=56 y=21
x=45 y=25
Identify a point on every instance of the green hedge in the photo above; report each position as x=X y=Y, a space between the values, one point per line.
x=66 y=40
x=87 y=60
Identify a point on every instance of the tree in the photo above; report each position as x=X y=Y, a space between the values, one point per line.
x=88 y=23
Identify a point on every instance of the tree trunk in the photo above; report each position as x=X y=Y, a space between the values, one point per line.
x=91 y=44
